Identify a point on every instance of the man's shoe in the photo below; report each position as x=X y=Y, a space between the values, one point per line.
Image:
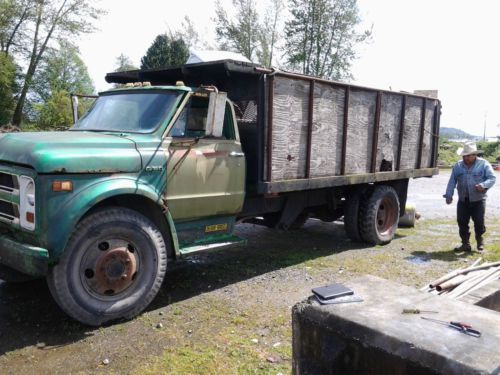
x=480 y=246
x=463 y=248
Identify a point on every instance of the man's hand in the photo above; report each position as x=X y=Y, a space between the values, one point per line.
x=480 y=188
x=449 y=200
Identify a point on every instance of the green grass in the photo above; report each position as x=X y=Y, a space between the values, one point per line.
x=220 y=341
x=213 y=334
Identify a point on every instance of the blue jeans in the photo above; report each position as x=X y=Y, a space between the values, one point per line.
x=471 y=210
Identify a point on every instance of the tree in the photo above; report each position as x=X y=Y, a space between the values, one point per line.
x=189 y=34
x=47 y=20
x=321 y=36
x=60 y=73
x=55 y=113
x=166 y=51
x=123 y=63
x=241 y=35
x=270 y=34
x=14 y=15
x=62 y=69
x=7 y=87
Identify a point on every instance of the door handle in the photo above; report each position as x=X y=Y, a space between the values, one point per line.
x=236 y=154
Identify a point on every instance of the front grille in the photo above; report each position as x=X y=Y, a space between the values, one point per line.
x=8 y=211
x=8 y=182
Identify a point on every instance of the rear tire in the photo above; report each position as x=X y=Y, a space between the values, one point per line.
x=351 y=215
x=379 y=216
x=112 y=267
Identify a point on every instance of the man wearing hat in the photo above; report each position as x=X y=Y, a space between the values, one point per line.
x=472 y=176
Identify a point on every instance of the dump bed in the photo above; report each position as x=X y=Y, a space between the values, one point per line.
x=301 y=132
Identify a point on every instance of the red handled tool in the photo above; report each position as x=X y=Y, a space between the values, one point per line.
x=462 y=327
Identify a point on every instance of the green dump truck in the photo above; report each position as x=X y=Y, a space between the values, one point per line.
x=159 y=170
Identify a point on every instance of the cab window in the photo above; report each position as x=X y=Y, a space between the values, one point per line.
x=192 y=121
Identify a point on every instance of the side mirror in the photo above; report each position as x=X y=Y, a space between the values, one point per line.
x=215 y=115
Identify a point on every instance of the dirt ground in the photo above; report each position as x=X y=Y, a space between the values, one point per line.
x=228 y=312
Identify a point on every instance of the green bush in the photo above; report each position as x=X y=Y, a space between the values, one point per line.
x=447 y=155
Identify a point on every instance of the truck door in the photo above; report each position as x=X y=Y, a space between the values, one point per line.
x=206 y=165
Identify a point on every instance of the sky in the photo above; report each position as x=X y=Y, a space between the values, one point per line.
x=445 y=45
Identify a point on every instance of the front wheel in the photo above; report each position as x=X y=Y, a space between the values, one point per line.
x=379 y=216
x=112 y=267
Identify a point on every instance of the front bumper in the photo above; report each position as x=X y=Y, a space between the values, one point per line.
x=24 y=258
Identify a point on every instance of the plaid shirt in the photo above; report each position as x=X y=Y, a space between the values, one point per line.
x=465 y=178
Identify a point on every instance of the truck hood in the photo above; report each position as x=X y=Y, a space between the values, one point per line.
x=70 y=152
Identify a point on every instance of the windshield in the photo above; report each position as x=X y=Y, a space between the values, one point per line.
x=138 y=112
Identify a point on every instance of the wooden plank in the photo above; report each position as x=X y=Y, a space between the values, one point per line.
x=389 y=130
x=310 y=111
x=401 y=132
x=289 y=138
x=376 y=128
x=345 y=128
x=331 y=181
x=269 y=138
x=409 y=149
x=328 y=122
x=360 y=135
x=428 y=136
x=421 y=133
x=435 y=145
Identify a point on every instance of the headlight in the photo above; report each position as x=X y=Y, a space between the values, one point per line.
x=27 y=202
x=30 y=194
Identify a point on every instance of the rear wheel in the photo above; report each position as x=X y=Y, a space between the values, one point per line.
x=379 y=216
x=351 y=215
x=112 y=268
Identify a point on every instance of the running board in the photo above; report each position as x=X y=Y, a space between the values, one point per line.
x=228 y=241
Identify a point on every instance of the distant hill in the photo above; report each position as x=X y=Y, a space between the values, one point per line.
x=452 y=133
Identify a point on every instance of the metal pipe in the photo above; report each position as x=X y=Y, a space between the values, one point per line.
x=461 y=271
x=482 y=282
x=486 y=278
x=477 y=275
x=457 y=280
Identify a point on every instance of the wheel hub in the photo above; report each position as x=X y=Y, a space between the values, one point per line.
x=115 y=271
x=385 y=216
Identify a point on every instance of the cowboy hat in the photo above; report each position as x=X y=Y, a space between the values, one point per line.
x=468 y=149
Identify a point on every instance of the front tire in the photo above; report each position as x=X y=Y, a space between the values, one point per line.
x=112 y=267
x=379 y=216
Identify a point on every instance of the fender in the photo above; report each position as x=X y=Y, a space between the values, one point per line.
x=81 y=201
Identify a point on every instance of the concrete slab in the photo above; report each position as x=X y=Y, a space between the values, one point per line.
x=373 y=337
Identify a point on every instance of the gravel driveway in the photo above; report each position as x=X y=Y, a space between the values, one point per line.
x=427 y=195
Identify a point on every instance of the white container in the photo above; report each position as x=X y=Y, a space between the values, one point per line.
x=409 y=218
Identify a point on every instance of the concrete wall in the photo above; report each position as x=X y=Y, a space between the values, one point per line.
x=374 y=337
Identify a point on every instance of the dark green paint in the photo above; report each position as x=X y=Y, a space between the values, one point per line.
x=71 y=152
x=28 y=259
